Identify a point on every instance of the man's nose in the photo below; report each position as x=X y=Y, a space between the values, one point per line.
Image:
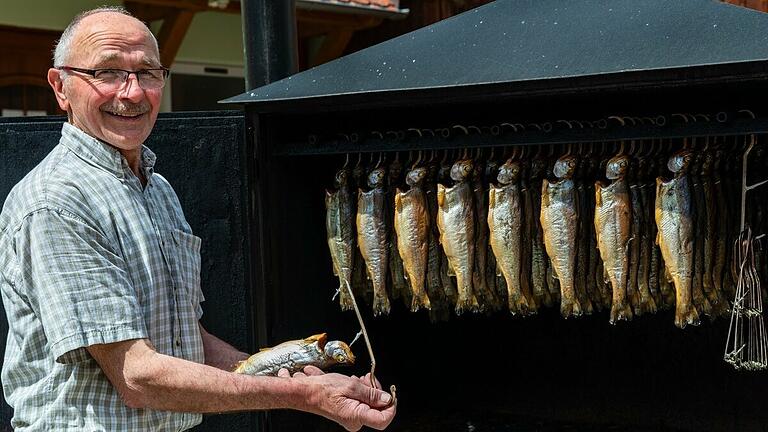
x=131 y=90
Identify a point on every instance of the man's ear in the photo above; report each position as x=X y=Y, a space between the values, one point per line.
x=57 y=84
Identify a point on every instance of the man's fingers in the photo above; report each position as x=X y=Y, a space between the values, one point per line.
x=377 y=419
x=313 y=371
x=372 y=397
x=367 y=381
x=299 y=374
x=283 y=372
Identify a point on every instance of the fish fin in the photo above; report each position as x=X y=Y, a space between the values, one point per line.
x=544 y=194
x=440 y=195
x=321 y=339
x=265 y=349
x=398 y=202
x=491 y=197
x=598 y=194
x=450 y=270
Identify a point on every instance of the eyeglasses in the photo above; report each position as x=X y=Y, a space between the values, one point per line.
x=113 y=79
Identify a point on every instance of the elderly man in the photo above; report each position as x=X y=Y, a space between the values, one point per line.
x=99 y=269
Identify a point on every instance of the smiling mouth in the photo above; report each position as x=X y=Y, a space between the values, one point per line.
x=127 y=116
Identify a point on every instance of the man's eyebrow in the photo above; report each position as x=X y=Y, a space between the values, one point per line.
x=145 y=61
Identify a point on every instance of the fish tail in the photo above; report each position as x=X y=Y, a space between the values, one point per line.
x=620 y=312
x=419 y=301
x=686 y=314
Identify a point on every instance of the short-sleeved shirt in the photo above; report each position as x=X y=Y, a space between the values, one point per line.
x=89 y=256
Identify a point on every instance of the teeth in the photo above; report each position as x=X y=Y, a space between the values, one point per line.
x=124 y=114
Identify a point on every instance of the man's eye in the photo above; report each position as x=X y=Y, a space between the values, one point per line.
x=107 y=74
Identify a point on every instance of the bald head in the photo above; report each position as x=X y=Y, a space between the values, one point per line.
x=62 y=54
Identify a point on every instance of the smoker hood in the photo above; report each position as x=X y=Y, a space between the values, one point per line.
x=510 y=47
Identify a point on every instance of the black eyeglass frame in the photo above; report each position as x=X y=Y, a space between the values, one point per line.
x=93 y=72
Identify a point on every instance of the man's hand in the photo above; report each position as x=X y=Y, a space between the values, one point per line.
x=349 y=401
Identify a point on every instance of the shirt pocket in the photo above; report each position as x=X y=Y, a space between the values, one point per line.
x=187 y=259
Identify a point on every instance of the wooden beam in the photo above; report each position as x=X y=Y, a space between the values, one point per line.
x=146 y=12
x=333 y=46
x=171 y=35
x=192 y=5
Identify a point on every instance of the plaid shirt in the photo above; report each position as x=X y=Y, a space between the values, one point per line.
x=88 y=256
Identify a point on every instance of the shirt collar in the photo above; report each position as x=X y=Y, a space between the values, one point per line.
x=102 y=154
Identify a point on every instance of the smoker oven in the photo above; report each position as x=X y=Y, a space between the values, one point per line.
x=512 y=73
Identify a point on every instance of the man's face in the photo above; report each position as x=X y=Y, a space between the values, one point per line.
x=122 y=117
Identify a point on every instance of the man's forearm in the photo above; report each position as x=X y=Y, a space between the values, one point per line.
x=220 y=354
x=148 y=379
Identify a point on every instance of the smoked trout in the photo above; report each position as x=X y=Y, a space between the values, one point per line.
x=339 y=223
x=504 y=221
x=674 y=221
x=456 y=222
x=539 y=259
x=613 y=221
x=396 y=271
x=713 y=289
x=449 y=284
x=295 y=355
x=701 y=299
x=412 y=229
x=645 y=302
x=485 y=296
x=560 y=221
x=372 y=237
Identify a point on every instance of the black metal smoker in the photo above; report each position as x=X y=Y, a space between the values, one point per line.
x=528 y=62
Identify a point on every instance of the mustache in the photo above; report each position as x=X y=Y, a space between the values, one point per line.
x=126 y=108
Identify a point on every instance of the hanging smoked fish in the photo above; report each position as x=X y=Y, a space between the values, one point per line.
x=646 y=273
x=539 y=259
x=613 y=220
x=505 y=222
x=412 y=229
x=456 y=222
x=560 y=221
x=716 y=296
x=665 y=283
x=339 y=223
x=373 y=237
x=595 y=261
x=449 y=284
x=361 y=285
x=435 y=290
x=642 y=302
x=494 y=281
x=485 y=296
x=396 y=271
x=674 y=222
x=701 y=297
x=526 y=238
x=721 y=209
x=584 y=194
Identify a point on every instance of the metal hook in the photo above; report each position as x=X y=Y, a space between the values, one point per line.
x=618 y=119
x=418 y=131
x=514 y=128
x=346 y=161
x=570 y=126
x=466 y=132
x=418 y=159
x=379 y=134
x=476 y=128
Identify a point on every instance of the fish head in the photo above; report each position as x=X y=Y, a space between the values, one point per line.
x=376 y=178
x=707 y=162
x=509 y=172
x=491 y=169
x=462 y=169
x=339 y=352
x=416 y=175
x=565 y=167
x=342 y=178
x=680 y=161
x=538 y=167
x=617 y=167
x=395 y=169
x=444 y=172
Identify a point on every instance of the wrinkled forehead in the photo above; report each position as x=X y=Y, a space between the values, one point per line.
x=104 y=39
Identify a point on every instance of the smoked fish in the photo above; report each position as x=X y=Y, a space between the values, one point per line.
x=504 y=221
x=539 y=259
x=412 y=229
x=339 y=224
x=674 y=221
x=396 y=271
x=485 y=296
x=456 y=222
x=613 y=221
x=559 y=219
x=373 y=238
x=295 y=355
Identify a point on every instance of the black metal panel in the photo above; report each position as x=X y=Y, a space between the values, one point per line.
x=520 y=42
x=201 y=155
